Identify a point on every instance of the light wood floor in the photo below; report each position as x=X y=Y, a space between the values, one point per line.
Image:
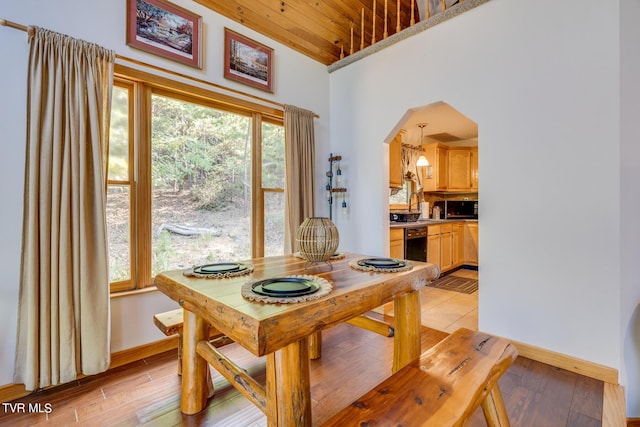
x=146 y=393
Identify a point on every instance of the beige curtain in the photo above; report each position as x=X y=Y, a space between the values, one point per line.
x=63 y=318
x=410 y=155
x=300 y=160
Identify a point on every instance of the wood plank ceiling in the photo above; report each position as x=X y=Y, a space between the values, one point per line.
x=320 y=29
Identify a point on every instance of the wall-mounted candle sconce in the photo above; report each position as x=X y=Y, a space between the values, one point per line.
x=338 y=190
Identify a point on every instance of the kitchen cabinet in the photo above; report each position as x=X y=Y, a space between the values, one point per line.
x=433 y=245
x=396 y=243
x=463 y=168
x=446 y=247
x=453 y=168
x=442 y=175
x=471 y=243
x=474 y=168
x=396 y=179
x=458 y=244
x=437 y=156
x=450 y=244
x=459 y=168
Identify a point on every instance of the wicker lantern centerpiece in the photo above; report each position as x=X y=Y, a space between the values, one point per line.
x=317 y=239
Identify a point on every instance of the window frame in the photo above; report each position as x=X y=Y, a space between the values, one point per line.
x=142 y=85
x=125 y=285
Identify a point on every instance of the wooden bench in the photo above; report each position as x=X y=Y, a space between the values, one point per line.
x=443 y=387
x=170 y=323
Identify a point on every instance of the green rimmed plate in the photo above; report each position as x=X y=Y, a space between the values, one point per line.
x=220 y=268
x=382 y=263
x=285 y=287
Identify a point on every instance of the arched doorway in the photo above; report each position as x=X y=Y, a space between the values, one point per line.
x=449 y=141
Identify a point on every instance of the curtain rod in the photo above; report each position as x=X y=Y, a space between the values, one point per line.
x=11 y=24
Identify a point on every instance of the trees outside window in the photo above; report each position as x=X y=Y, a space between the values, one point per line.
x=190 y=183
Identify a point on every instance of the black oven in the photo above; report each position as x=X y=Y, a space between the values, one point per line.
x=415 y=244
x=457 y=209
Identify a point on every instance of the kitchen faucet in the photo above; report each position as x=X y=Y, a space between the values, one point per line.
x=417 y=194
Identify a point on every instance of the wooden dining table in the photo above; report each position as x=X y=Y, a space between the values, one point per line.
x=282 y=332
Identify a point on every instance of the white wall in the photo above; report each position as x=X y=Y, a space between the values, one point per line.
x=103 y=22
x=13 y=81
x=630 y=202
x=544 y=87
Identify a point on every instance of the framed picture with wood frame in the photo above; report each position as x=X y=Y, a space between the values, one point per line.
x=247 y=61
x=166 y=30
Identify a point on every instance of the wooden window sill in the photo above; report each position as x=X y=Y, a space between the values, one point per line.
x=133 y=292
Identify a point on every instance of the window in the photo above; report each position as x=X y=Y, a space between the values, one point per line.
x=273 y=187
x=400 y=196
x=192 y=180
x=201 y=185
x=120 y=189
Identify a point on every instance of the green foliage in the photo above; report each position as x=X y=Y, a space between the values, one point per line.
x=273 y=162
x=202 y=150
x=119 y=135
x=163 y=250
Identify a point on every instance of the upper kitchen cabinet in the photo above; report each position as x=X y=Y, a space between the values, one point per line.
x=474 y=168
x=463 y=168
x=459 y=168
x=453 y=168
x=396 y=180
x=437 y=155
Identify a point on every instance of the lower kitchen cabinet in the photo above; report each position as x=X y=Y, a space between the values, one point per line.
x=446 y=247
x=396 y=243
x=433 y=245
x=449 y=245
x=458 y=244
x=471 y=243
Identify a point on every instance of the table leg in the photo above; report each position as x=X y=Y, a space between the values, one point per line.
x=315 y=345
x=195 y=369
x=289 y=387
x=406 y=340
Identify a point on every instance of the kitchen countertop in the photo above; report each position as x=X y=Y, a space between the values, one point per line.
x=426 y=222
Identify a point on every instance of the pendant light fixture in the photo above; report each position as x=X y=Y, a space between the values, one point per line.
x=422 y=160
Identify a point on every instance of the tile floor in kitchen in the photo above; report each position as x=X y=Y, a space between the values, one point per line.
x=447 y=310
